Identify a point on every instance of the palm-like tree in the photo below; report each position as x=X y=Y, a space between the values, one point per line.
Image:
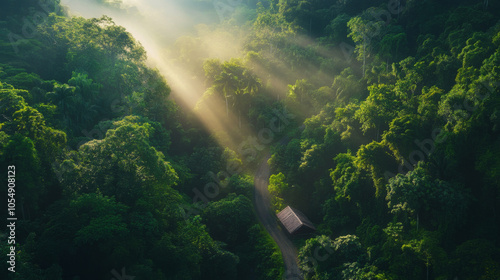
x=252 y=86
x=235 y=84
x=226 y=84
x=300 y=90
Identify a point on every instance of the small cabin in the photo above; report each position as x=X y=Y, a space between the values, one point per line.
x=295 y=222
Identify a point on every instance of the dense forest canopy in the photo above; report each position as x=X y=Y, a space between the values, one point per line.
x=136 y=129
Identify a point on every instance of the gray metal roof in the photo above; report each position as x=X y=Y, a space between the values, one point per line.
x=293 y=220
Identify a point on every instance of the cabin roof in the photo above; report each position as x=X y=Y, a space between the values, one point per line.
x=293 y=220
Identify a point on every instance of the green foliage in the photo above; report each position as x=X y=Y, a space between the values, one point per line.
x=417 y=192
x=346 y=86
x=101 y=223
x=488 y=162
x=346 y=177
x=379 y=108
x=241 y=185
x=321 y=257
x=267 y=255
x=476 y=258
x=20 y=152
x=79 y=227
x=127 y=169
x=228 y=219
x=272 y=30
x=350 y=184
x=376 y=159
x=233 y=82
x=337 y=29
x=401 y=135
x=392 y=45
x=354 y=271
x=18 y=117
x=425 y=82
x=277 y=187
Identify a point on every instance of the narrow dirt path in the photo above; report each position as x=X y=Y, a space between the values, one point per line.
x=268 y=219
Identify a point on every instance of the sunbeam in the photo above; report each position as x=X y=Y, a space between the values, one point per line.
x=157 y=25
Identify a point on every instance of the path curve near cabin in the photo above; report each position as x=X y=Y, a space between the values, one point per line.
x=266 y=216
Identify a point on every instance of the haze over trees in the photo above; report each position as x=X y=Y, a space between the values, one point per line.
x=382 y=119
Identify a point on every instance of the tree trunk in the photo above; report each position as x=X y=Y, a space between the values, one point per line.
x=227 y=108
x=364 y=56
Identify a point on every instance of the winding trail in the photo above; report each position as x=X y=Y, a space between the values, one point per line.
x=266 y=216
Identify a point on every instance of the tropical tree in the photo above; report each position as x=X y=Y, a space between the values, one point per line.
x=431 y=200
x=277 y=188
x=379 y=108
x=362 y=33
x=124 y=164
x=229 y=219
